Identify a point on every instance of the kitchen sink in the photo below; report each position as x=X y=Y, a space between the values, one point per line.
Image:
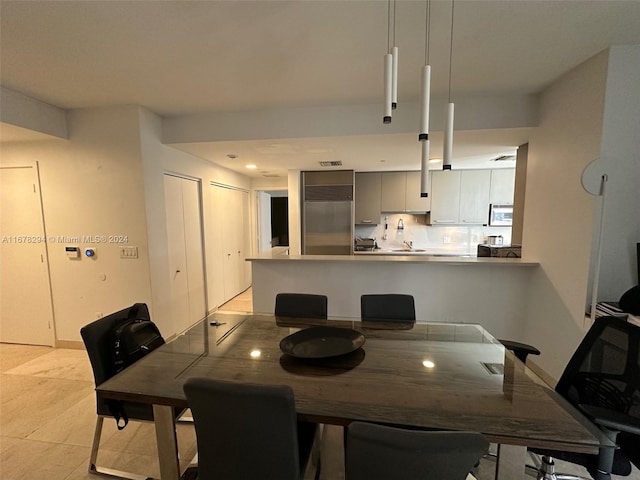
x=408 y=251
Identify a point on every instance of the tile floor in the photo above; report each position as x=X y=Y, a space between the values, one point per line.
x=47 y=419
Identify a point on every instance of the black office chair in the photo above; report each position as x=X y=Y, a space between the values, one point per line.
x=630 y=301
x=301 y=305
x=388 y=308
x=602 y=380
x=377 y=452
x=248 y=431
x=97 y=337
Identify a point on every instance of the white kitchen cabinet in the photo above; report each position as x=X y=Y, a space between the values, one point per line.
x=445 y=197
x=394 y=188
x=474 y=196
x=401 y=193
x=413 y=201
x=367 y=198
x=460 y=197
x=503 y=182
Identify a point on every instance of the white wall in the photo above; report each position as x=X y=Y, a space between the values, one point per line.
x=27 y=112
x=558 y=216
x=107 y=179
x=158 y=159
x=620 y=160
x=92 y=185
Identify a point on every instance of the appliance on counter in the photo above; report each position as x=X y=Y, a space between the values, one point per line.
x=364 y=244
x=503 y=251
x=327 y=212
x=500 y=214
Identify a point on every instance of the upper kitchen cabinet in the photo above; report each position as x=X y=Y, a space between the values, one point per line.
x=367 y=198
x=502 y=185
x=414 y=202
x=445 y=197
x=462 y=197
x=474 y=196
x=401 y=193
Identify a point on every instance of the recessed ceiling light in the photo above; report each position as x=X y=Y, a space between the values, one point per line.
x=251 y=166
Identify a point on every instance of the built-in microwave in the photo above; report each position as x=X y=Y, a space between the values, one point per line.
x=500 y=214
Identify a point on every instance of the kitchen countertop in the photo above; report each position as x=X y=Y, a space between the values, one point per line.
x=394 y=257
x=436 y=252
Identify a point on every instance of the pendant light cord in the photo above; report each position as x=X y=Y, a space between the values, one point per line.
x=451 y=50
x=388 y=26
x=394 y=23
x=427 y=32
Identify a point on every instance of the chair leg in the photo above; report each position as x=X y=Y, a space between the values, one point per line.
x=107 y=472
x=96 y=444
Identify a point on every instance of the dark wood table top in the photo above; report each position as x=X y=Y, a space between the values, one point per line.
x=474 y=383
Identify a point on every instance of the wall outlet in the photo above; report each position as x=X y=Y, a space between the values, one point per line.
x=446 y=239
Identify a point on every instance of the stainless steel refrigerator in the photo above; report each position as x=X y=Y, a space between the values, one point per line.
x=327 y=212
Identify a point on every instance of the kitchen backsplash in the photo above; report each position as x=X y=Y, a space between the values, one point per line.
x=455 y=238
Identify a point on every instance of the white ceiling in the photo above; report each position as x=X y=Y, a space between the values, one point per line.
x=182 y=57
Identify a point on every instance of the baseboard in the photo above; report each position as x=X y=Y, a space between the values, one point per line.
x=70 y=344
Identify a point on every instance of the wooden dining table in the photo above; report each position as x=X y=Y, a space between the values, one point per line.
x=448 y=376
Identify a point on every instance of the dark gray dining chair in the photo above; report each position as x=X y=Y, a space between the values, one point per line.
x=248 y=431
x=98 y=340
x=378 y=452
x=389 y=307
x=301 y=305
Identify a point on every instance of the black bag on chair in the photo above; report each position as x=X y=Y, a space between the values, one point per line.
x=134 y=338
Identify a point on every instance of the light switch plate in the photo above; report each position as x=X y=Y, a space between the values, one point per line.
x=128 y=252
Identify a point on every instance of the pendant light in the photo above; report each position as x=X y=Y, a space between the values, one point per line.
x=448 y=127
x=390 y=68
x=423 y=136
x=394 y=56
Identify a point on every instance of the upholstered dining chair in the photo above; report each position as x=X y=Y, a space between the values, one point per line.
x=248 y=431
x=390 y=307
x=97 y=338
x=301 y=305
x=378 y=452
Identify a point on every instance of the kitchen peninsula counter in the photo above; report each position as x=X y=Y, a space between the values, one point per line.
x=485 y=290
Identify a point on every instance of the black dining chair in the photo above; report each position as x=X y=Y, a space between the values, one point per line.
x=378 y=452
x=98 y=341
x=301 y=305
x=390 y=307
x=248 y=431
x=602 y=380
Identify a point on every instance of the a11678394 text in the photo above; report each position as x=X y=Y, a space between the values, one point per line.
x=65 y=239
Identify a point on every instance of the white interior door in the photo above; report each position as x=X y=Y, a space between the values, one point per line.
x=26 y=313
x=231 y=223
x=215 y=249
x=184 y=238
x=193 y=249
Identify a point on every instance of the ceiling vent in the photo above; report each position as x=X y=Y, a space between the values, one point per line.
x=335 y=163
x=270 y=175
x=504 y=158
